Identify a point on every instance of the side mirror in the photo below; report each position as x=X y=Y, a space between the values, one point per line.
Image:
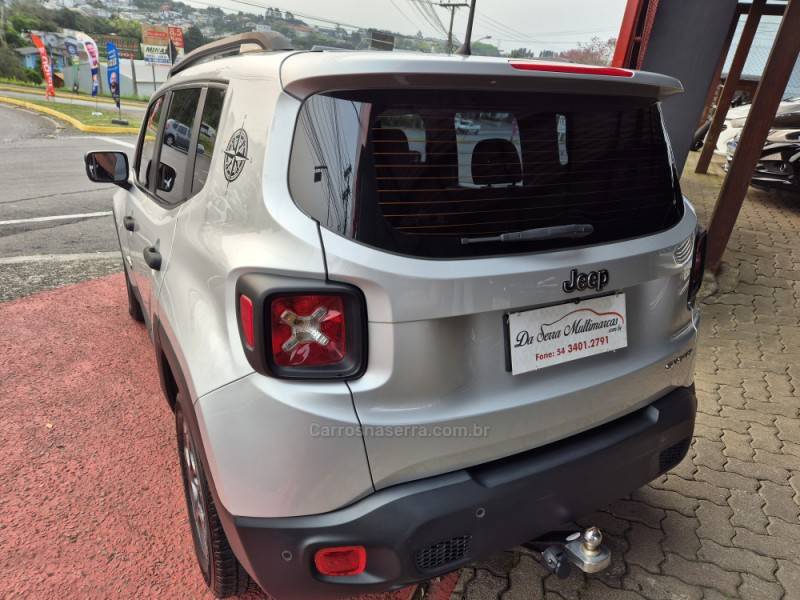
x=108 y=167
x=166 y=178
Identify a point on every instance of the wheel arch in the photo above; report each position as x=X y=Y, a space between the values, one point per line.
x=173 y=385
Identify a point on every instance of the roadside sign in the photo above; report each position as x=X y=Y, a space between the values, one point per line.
x=156 y=40
x=380 y=41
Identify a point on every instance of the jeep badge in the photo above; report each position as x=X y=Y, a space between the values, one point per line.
x=595 y=280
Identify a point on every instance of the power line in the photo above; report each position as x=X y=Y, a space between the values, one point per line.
x=297 y=14
x=451 y=6
x=425 y=9
x=406 y=17
x=429 y=15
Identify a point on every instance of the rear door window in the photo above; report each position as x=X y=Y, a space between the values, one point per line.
x=207 y=136
x=173 y=162
x=417 y=172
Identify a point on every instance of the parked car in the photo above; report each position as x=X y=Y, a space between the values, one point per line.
x=378 y=374
x=207 y=130
x=788 y=116
x=467 y=126
x=779 y=166
x=177 y=134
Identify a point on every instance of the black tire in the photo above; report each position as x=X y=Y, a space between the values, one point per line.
x=221 y=570
x=169 y=139
x=134 y=308
x=700 y=135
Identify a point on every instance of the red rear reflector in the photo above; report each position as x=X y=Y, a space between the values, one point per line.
x=341 y=561
x=308 y=330
x=698 y=264
x=246 y=321
x=528 y=65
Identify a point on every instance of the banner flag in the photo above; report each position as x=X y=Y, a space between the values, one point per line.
x=74 y=61
x=47 y=70
x=112 y=72
x=94 y=62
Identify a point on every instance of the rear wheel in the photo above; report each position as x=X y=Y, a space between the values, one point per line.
x=221 y=570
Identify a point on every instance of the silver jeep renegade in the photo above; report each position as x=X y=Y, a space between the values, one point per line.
x=409 y=310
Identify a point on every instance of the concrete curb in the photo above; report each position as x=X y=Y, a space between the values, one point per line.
x=71 y=120
x=101 y=99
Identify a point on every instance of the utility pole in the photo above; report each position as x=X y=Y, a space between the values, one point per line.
x=451 y=6
x=2 y=23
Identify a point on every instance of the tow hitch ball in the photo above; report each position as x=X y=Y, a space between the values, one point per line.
x=562 y=549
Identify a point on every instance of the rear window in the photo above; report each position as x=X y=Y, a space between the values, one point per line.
x=418 y=172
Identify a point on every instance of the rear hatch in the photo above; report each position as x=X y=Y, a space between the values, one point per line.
x=481 y=348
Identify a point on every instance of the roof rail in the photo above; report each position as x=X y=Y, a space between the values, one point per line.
x=267 y=40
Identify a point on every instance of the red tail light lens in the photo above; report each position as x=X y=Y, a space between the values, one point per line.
x=246 y=321
x=526 y=65
x=302 y=332
x=308 y=330
x=341 y=561
x=698 y=264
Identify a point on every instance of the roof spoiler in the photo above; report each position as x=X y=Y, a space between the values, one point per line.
x=234 y=44
x=307 y=73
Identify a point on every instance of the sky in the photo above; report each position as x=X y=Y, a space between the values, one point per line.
x=534 y=24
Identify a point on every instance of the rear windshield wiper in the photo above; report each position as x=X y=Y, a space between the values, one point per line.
x=575 y=231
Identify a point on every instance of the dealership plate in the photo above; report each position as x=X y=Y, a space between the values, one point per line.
x=557 y=334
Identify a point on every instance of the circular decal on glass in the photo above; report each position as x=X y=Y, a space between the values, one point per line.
x=235 y=154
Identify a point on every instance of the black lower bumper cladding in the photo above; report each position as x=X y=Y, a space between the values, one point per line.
x=418 y=530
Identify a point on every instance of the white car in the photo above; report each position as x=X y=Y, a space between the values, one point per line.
x=467 y=126
x=380 y=371
x=736 y=117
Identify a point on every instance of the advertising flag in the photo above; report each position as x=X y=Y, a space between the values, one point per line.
x=94 y=62
x=47 y=70
x=112 y=71
x=74 y=60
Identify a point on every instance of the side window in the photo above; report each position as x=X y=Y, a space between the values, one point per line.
x=207 y=140
x=148 y=144
x=173 y=162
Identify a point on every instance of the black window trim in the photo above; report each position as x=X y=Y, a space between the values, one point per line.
x=150 y=190
x=143 y=134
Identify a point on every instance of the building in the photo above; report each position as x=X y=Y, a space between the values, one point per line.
x=30 y=58
x=301 y=31
x=759 y=54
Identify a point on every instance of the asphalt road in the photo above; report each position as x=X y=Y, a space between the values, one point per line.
x=46 y=238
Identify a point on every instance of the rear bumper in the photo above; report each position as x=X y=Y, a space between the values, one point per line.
x=418 y=530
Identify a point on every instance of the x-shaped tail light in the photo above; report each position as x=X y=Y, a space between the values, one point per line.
x=305 y=329
x=302 y=333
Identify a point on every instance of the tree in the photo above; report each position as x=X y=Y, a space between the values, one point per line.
x=193 y=38
x=33 y=76
x=594 y=52
x=10 y=65
x=521 y=53
x=484 y=49
x=126 y=28
x=14 y=39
